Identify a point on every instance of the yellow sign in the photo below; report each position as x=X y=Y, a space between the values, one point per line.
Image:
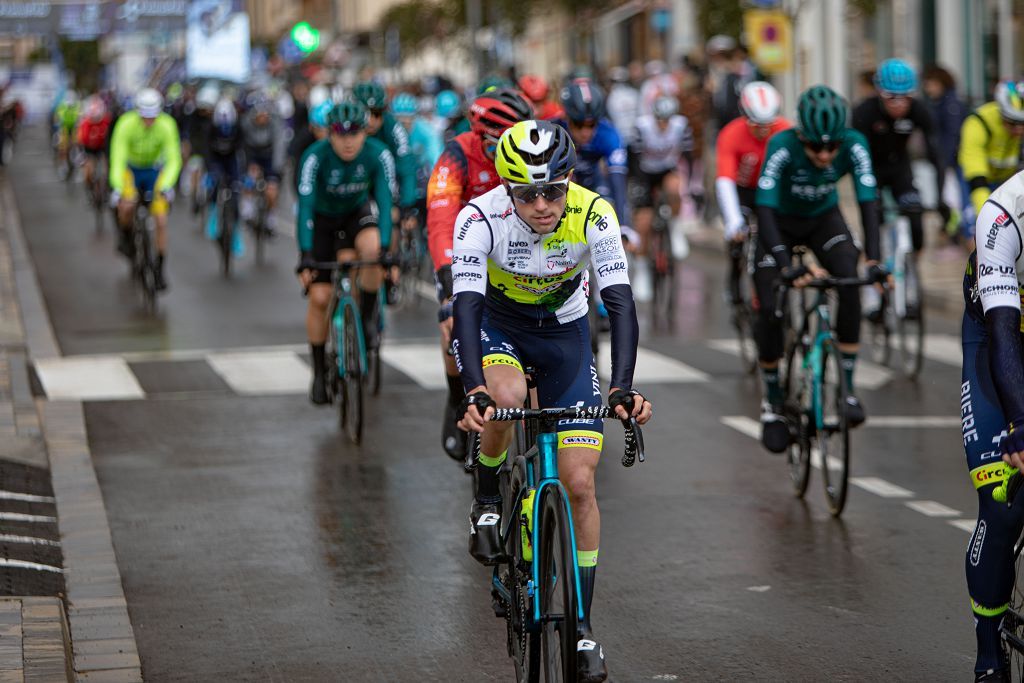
x=769 y=36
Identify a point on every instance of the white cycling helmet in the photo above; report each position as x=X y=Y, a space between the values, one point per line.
x=760 y=103
x=207 y=97
x=1010 y=97
x=665 y=107
x=224 y=114
x=317 y=95
x=149 y=103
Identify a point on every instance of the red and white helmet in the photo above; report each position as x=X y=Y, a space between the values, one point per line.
x=760 y=103
x=95 y=109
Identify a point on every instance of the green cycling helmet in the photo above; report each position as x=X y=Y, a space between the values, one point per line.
x=347 y=117
x=821 y=115
x=371 y=94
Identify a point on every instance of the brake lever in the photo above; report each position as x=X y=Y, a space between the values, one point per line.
x=634 y=443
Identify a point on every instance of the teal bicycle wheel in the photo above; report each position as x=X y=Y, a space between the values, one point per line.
x=557 y=588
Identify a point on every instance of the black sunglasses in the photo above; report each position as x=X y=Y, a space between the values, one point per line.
x=527 y=194
x=346 y=128
x=819 y=146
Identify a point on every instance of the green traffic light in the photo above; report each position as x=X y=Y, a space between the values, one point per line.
x=305 y=36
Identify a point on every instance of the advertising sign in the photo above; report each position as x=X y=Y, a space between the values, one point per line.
x=218 y=41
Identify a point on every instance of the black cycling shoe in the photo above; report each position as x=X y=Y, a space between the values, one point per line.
x=158 y=278
x=774 y=429
x=318 y=390
x=590 y=660
x=853 y=411
x=874 y=316
x=453 y=439
x=993 y=676
x=485 y=533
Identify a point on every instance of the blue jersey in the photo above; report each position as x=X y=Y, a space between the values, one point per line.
x=606 y=145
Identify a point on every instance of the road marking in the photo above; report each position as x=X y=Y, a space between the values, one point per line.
x=904 y=421
x=426 y=290
x=759 y=589
x=944 y=348
x=870 y=375
x=652 y=368
x=21 y=564
x=29 y=540
x=743 y=425
x=84 y=379
x=930 y=508
x=420 y=362
x=880 y=487
x=19 y=517
x=965 y=524
x=27 y=497
x=252 y=373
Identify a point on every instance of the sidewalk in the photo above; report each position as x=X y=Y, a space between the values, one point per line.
x=56 y=541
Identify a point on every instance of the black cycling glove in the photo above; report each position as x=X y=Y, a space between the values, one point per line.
x=877 y=273
x=481 y=399
x=306 y=262
x=443 y=283
x=624 y=398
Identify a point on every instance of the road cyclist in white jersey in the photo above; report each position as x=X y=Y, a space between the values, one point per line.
x=520 y=254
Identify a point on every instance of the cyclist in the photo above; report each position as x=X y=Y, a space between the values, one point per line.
x=797 y=203
x=337 y=222
x=992 y=409
x=383 y=126
x=663 y=139
x=65 y=117
x=990 y=140
x=450 y=118
x=887 y=122
x=464 y=171
x=538 y=92
x=199 y=123
x=145 y=158
x=600 y=155
x=223 y=146
x=424 y=141
x=93 y=135
x=263 y=143
x=507 y=317
x=740 y=153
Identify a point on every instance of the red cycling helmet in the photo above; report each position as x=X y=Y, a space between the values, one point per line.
x=492 y=113
x=534 y=87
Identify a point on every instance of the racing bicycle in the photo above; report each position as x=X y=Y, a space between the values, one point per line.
x=815 y=389
x=899 y=316
x=536 y=587
x=143 y=261
x=353 y=361
x=740 y=291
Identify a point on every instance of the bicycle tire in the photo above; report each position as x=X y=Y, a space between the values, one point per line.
x=911 y=329
x=1011 y=629
x=743 y=322
x=145 y=267
x=227 y=234
x=352 y=382
x=663 y=268
x=833 y=436
x=523 y=636
x=332 y=349
x=556 y=588
x=796 y=410
x=260 y=231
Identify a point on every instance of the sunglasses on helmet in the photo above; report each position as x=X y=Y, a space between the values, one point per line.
x=525 y=193
x=346 y=127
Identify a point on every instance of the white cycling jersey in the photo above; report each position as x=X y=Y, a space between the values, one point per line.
x=1000 y=277
x=536 y=276
x=660 y=150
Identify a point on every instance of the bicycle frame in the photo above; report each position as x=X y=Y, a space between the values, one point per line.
x=342 y=297
x=898 y=244
x=812 y=364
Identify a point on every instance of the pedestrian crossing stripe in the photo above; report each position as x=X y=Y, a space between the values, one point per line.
x=283 y=370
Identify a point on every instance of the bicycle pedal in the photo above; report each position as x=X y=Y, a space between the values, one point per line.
x=500 y=610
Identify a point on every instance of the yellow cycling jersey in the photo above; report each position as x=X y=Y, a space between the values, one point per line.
x=987 y=151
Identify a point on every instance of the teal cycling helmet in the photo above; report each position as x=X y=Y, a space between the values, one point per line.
x=371 y=94
x=318 y=114
x=404 y=104
x=493 y=82
x=821 y=115
x=895 y=76
x=447 y=104
x=347 y=117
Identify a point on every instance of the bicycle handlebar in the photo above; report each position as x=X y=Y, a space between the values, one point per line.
x=385 y=260
x=830 y=282
x=634 y=435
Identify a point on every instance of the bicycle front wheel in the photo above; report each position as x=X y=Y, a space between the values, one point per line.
x=833 y=432
x=352 y=382
x=523 y=635
x=911 y=325
x=557 y=590
x=797 y=411
x=227 y=235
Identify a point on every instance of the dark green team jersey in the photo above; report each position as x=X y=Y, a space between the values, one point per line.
x=332 y=187
x=792 y=185
x=393 y=134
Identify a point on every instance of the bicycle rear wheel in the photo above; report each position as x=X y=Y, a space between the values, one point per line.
x=227 y=235
x=664 y=278
x=797 y=412
x=833 y=435
x=1011 y=630
x=557 y=589
x=351 y=409
x=910 y=326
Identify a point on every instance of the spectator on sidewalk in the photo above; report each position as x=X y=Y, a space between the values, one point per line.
x=948 y=113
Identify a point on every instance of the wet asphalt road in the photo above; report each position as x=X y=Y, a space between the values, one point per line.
x=256 y=543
